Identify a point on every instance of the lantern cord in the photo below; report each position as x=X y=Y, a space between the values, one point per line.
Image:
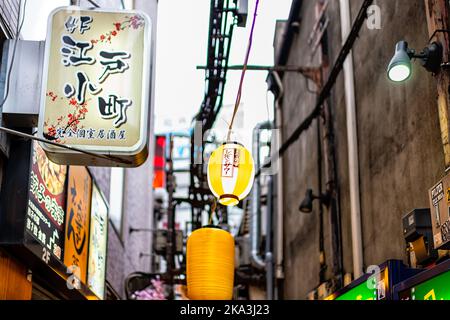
x=244 y=69
x=31 y=137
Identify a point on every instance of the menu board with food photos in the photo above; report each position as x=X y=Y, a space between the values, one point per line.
x=45 y=216
x=79 y=188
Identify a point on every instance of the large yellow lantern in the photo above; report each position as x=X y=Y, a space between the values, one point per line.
x=210 y=264
x=231 y=172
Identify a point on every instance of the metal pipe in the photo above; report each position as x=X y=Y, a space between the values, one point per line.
x=171 y=240
x=269 y=254
x=289 y=32
x=279 y=236
x=299 y=69
x=352 y=141
x=322 y=257
x=255 y=228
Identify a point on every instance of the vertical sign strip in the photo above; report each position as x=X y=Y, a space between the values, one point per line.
x=98 y=243
x=77 y=221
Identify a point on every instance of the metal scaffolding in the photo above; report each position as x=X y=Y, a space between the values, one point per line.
x=223 y=19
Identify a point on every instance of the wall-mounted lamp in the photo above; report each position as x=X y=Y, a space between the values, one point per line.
x=400 y=68
x=307 y=204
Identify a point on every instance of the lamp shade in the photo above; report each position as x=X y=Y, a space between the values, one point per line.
x=210 y=264
x=231 y=172
x=399 y=68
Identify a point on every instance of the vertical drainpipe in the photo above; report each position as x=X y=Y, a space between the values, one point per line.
x=255 y=228
x=352 y=139
x=279 y=235
x=269 y=253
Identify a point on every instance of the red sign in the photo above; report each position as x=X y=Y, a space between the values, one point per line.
x=159 y=162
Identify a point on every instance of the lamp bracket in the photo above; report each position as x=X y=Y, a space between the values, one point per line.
x=324 y=198
x=430 y=57
x=438 y=31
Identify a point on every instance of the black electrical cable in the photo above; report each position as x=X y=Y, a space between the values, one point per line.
x=63 y=146
x=95 y=4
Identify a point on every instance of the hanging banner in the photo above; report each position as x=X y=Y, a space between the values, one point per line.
x=77 y=221
x=98 y=243
x=46 y=204
x=96 y=86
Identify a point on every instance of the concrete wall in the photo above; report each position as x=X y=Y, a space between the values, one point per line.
x=399 y=142
x=300 y=172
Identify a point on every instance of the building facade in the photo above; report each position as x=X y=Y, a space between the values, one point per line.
x=128 y=193
x=399 y=142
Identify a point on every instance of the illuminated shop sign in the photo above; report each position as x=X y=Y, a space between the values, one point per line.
x=432 y=284
x=45 y=217
x=96 y=86
x=370 y=289
x=378 y=283
x=437 y=288
x=98 y=243
x=77 y=221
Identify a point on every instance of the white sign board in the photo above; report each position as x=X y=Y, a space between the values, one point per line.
x=96 y=86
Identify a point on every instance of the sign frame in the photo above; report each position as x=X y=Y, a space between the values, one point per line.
x=394 y=272
x=420 y=278
x=120 y=156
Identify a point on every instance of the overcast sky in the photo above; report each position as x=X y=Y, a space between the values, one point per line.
x=181 y=47
x=182 y=40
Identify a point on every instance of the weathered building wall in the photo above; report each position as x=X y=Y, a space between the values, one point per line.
x=400 y=149
x=300 y=169
x=401 y=155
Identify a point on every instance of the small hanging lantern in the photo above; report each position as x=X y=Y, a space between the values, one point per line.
x=231 y=172
x=210 y=264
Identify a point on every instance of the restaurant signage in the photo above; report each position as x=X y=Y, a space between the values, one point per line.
x=437 y=288
x=77 y=221
x=45 y=215
x=98 y=243
x=96 y=84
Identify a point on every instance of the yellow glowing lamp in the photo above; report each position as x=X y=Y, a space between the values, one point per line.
x=231 y=172
x=210 y=264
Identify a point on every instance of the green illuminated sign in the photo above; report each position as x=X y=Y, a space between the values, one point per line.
x=437 y=288
x=374 y=288
x=360 y=292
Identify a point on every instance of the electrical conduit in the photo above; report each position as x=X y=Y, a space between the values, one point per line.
x=352 y=140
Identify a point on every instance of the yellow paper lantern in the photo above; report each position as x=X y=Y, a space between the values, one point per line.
x=231 y=172
x=210 y=264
